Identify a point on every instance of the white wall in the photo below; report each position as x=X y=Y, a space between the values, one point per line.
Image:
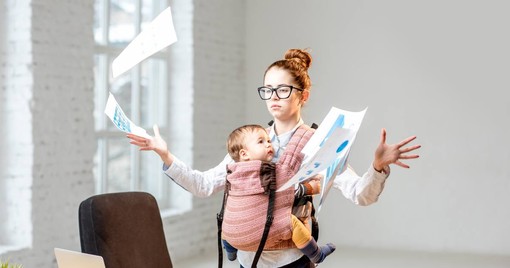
x=435 y=69
x=47 y=136
x=218 y=97
x=46 y=103
x=17 y=145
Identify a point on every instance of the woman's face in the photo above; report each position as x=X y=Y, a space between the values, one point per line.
x=283 y=109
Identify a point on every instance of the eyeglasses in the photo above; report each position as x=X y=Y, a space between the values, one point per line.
x=282 y=92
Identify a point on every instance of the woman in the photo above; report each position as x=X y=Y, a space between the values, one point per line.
x=286 y=89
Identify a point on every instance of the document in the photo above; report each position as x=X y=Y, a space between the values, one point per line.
x=328 y=149
x=120 y=120
x=159 y=34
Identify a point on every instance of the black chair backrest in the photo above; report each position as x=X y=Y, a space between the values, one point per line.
x=125 y=229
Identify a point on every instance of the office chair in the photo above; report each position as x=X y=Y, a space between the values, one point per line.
x=125 y=229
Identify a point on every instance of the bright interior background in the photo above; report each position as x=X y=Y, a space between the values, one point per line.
x=435 y=69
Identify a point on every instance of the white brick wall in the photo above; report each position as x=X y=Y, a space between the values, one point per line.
x=48 y=103
x=219 y=88
x=64 y=141
x=16 y=143
x=46 y=118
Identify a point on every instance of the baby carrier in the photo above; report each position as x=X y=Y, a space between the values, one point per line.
x=254 y=217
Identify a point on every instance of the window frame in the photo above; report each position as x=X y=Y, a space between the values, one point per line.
x=171 y=198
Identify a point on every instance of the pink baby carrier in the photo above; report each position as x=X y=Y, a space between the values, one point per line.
x=254 y=217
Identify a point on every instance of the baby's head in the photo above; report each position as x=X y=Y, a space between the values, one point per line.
x=250 y=142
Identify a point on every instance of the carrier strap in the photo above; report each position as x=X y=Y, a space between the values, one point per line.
x=314 y=126
x=315 y=223
x=301 y=201
x=219 y=219
x=269 y=221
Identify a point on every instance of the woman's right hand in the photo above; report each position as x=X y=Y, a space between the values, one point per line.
x=156 y=144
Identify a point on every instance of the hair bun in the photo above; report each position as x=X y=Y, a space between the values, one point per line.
x=301 y=56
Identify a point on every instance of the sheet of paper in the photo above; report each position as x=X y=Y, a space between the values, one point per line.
x=333 y=148
x=120 y=120
x=328 y=149
x=159 y=34
x=352 y=121
x=335 y=118
x=338 y=167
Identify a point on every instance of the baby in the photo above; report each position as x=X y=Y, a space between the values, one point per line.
x=251 y=142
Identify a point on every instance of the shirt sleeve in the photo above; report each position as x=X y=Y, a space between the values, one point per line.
x=363 y=190
x=198 y=183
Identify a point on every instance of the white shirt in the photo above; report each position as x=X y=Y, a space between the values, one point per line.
x=363 y=191
x=280 y=142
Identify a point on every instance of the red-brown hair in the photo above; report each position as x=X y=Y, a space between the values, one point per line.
x=296 y=62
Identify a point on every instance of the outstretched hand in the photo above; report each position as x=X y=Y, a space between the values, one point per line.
x=387 y=154
x=156 y=144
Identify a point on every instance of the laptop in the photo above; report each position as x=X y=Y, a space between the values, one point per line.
x=73 y=259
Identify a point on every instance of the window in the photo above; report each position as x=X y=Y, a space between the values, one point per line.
x=144 y=95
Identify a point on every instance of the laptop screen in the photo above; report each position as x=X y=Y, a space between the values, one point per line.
x=74 y=259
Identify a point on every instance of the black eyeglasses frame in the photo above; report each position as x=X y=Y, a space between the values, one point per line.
x=274 y=91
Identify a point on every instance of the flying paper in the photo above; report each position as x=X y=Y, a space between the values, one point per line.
x=120 y=120
x=328 y=149
x=159 y=34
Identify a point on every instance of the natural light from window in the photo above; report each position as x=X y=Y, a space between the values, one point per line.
x=144 y=94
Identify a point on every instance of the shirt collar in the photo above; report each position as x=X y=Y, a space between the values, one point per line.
x=273 y=136
x=280 y=142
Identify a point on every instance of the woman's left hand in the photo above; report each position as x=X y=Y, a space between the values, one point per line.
x=387 y=154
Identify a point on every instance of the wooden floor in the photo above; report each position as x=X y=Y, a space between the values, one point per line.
x=355 y=258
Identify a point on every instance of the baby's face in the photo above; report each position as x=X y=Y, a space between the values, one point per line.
x=258 y=146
